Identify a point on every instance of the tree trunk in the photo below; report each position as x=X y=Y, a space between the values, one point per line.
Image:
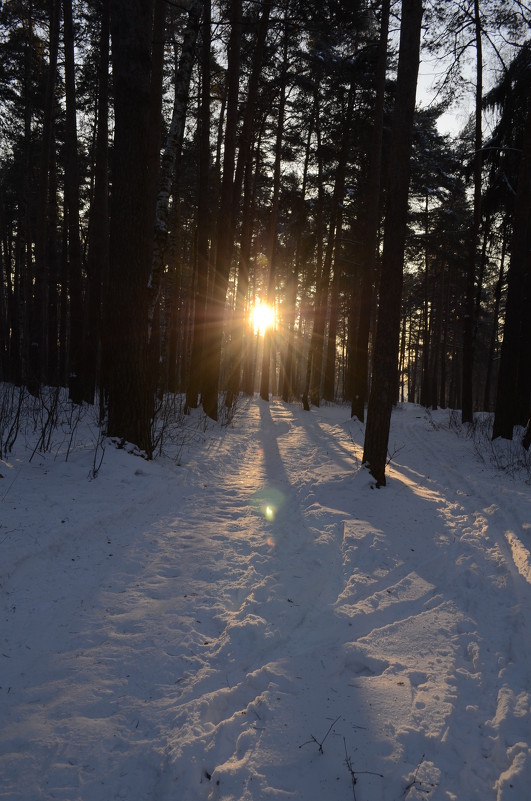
x=321 y=299
x=249 y=115
x=157 y=81
x=98 y=244
x=203 y=218
x=468 y=327
x=239 y=346
x=63 y=301
x=172 y=152
x=436 y=356
x=401 y=363
x=495 y=323
x=237 y=336
x=42 y=255
x=319 y=233
x=273 y=221
x=359 y=369
x=53 y=251
x=518 y=277
x=6 y=302
x=443 y=392
x=425 y=399
x=385 y=365
x=75 y=282
x=331 y=340
x=246 y=252
x=288 y=387
x=29 y=300
x=216 y=305
x=126 y=313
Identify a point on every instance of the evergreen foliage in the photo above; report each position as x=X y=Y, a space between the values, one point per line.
x=243 y=169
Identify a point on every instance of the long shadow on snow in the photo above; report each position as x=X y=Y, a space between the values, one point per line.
x=325 y=440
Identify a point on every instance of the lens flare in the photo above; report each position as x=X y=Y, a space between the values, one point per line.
x=268 y=502
x=262 y=317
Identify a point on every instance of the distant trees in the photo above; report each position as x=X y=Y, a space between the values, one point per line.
x=233 y=151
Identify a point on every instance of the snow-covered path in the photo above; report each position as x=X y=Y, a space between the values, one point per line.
x=261 y=623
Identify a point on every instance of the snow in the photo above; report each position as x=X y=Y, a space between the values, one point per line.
x=253 y=620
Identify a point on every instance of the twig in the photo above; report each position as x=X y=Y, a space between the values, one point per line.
x=98 y=459
x=315 y=740
x=348 y=763
x=354 y=779
x=391 y=456
x=414 y=781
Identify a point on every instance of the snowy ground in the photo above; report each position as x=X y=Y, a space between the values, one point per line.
x=258 y=622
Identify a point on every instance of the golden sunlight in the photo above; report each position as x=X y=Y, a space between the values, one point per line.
x=262 y=317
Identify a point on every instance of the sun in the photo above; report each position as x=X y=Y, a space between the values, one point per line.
x=262 y=317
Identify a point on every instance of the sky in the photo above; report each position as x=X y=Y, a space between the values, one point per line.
x=247 y=617
x=431 y=71
x=453 y=121
x=499 y=49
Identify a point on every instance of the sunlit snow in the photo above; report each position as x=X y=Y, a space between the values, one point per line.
x=254 y=620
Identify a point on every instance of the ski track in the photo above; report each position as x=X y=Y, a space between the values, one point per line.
x=389 y=603
x=209 y=647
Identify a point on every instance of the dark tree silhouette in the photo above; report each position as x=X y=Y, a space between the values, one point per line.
x=131 y=241
x=384 y=387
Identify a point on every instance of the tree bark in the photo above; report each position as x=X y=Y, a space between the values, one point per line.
x=216 y=304
x=203 y=205
x=53 y=258
x=288 y=387
x=249 y=114
x=172 y=152
x=42 y=255
x=321 y=299
x=385 y=365
x=468 y=326
x=360 y=342
x=495 y=322
x=246 y=252
x=72 y=198
x=130 y=400
x=237 y=336
x=329 y=386
x=273 y=221
x=505 y=416
x=98 y=244
x=319 y=233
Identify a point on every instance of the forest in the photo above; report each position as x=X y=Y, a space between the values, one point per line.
x=203 y=199
x=258 y=260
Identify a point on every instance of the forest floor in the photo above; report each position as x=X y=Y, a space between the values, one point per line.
x=254 y=620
